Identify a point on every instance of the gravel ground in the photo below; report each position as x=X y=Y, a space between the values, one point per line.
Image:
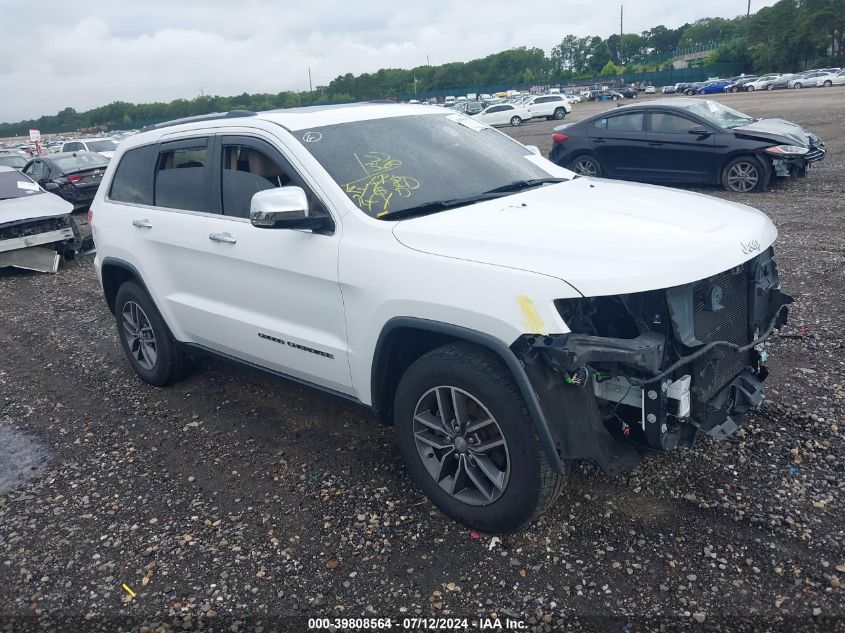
x=237 y=502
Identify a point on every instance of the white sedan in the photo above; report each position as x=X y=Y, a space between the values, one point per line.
x=839 y=78
x=816 y=78
x=503 y=114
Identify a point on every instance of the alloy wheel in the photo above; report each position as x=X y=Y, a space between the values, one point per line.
x=139 y=335
x=461 y=445
x=585 y=167
x=743 y=177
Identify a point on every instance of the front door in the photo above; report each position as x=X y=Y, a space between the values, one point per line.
x=673 y=153
x=273 y=295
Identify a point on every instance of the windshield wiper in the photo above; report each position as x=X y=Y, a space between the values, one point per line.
x=497 y=192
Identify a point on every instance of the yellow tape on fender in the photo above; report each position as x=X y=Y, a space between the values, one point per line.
x=533 y=320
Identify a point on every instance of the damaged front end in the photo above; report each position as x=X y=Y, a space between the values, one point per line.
x=653 y=370
x=39 y=243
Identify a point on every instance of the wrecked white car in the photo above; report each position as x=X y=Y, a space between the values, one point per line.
x=36 y=228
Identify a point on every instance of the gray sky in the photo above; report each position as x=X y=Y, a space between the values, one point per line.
x=88 y=53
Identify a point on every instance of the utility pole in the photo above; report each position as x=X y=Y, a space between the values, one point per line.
x=427 y=61
x=310 y=86
x=748 y=13
x=621 y=46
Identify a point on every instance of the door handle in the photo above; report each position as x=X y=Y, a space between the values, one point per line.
x=655 y=143
x=142 y=224
x=598 y=140
x=225 y=238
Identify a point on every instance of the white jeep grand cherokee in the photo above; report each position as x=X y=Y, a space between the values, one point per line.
x=502 y=313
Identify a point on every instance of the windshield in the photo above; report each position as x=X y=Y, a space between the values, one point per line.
x=719 y=114
x=80 y=161
x=400 y=163
x=14 y=184
x=106 y=145
x=12 y=161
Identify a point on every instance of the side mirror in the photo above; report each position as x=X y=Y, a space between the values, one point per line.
x=700 y=131
x=50 y=186
x=283 y=208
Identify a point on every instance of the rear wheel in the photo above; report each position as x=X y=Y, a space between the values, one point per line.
x=827 y=83
x=516 y=121
x=586 y=165
x=797 y=85
x=734 y=89
x=772 y=87
x=744 y=175
x=469 y=442
x=749 y=89
x=152 y=351
x=559 y=113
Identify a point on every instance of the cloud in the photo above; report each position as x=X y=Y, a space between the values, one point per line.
x=104 y=51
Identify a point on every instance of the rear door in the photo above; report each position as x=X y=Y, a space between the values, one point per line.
x=274 y=298
x=672 y=153
x=618 y=140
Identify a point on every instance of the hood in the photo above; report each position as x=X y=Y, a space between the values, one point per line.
x=777 y=130
x=603 y=237
x=41 y=205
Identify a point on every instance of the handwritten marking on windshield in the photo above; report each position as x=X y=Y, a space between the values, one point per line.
x=374 y=191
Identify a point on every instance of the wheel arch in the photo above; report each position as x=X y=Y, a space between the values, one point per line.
x=404 y=339
x=115 y=272
x=764 y=160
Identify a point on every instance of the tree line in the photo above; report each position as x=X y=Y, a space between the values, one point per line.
x=788 y=36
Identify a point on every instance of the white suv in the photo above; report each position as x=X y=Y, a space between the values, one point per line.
x=548 y=106
x=505 y=315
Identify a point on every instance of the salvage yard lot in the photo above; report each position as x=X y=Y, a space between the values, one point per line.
x=236 y=499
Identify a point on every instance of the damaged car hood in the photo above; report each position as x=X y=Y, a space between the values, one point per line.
x=40 y=205
x=778 y=130
x=602 y=237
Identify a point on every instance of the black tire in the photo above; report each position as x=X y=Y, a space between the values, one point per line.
x=734 y=89
x=560 y=113
x=827 y=83
x=740 y=163
x=749 y=89
x=171 y=363
x=516 y=121
x=771 y=87
x=579 y=165
x=531 y=486
x=797 y=85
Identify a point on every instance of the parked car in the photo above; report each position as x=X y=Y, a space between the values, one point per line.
x=814 y=79
x=503 y=114
x=838 y=78
x=668 y=90
x=650 y=90
x=628 y=92
x=691 y=89
x=766 y=82
x=519 y=317
x=738 y=85
x=35 y=227
x=686 y=140
x=783 y=81
x=104 y=146
x=714 y=86
x=73 y=176
x=469 y=107
x=605 y=95
x=13 y=159
x=548 y=106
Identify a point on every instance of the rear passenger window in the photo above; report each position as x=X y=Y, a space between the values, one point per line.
x=625 y=123
x=180 y=181
x=133 y=179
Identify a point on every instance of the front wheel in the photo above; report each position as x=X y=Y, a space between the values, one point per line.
x=469 y=442
x=749 y=89
x=827 y=84
x=586 y=165
x=797 y=86
x=772 y=87
x=744 y=175
x=559 y=113
x=516 y=121
x=734 y=89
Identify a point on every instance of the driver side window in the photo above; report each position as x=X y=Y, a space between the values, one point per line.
x=247 y=171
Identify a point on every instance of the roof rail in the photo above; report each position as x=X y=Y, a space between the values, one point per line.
x=232 y=114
